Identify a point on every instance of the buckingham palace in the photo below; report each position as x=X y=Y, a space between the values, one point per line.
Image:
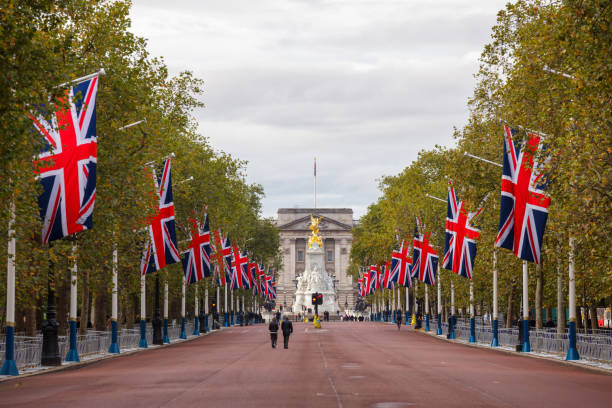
x=335 y=230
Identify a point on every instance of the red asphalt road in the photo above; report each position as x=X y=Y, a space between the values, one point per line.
x=341 y=365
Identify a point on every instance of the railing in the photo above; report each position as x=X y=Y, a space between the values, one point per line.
x=28 y=349
x=597 y=346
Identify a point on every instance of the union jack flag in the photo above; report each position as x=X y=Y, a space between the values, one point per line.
x=161 y=248
x=271 y=287
x=425 y=258
x=67 y=166
x=253 y=268
x=360 y=286
x=373 y=281
x=366 y=285
x=196 y=259
x=387 y=279
x=261 y=278
x=461 y=236
x=524 y=205
x=400 y=266
x=223 y=257
x=240 y=271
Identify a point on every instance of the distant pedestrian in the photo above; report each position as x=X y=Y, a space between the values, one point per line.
x=273 y=327
x=287 y=328
x=398 y=319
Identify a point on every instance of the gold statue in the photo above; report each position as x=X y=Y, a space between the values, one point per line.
x=314 y=227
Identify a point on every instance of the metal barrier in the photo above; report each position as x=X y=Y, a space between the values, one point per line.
x=597 y=346
x=28 y=349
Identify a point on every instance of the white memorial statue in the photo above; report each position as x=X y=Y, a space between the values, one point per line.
x=315 y=279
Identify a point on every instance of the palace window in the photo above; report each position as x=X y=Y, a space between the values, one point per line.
x=300 y=255
x=330 y=256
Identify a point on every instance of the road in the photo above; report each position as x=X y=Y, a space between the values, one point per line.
x=341 y=365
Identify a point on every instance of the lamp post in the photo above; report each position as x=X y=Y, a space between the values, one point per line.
x=157 y=323
x=50 y=349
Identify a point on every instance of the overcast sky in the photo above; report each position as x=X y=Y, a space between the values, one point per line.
x=362 y=85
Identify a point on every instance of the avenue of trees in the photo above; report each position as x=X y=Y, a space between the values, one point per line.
x=548 y=67
x=45 y=43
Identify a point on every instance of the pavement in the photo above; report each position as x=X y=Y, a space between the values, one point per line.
x=344 y=364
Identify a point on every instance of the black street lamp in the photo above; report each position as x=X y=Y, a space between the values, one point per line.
x=50 y=350
x=157 y=322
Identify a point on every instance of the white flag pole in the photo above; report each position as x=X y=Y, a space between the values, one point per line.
x=143 y=312
x=73 y=353
x=9 y=366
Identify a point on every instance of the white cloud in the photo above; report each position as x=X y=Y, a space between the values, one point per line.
x=362 y=85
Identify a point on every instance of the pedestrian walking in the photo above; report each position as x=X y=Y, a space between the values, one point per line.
x=273 y=327
x=398 y=319
x=287 y=328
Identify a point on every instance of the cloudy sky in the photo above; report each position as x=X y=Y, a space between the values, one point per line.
x=363 y=85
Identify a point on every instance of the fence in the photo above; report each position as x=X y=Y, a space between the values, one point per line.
x=95 y=343
x=595 y=346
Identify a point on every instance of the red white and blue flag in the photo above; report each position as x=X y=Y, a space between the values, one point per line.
x=223 y=257
x=360 y=286
x=387 y=281
x=161 y=248
x=253 y=268
x=373 y=281
x=461 y=237
x=196 y=259
x=400 y=266
x=67 y=166
x=240 y=270
x=425 y=258
x=270 y=287
x=524 y=205
x=366 y=285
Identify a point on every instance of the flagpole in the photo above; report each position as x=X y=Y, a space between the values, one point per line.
x=231 y=305
x=143 y=313
x=166 y=339
x=472 y=318
x=315 y=183
x=226 y=308
x=495 y=341
x=426 y=308
x=526 y=344
x=572 y=351
x=114 y=346
x=9 y=366
x=183 y=290
x=73 y=353
x=439 y=331
x=206 y=329
x=451 y=326
x=414 y=302
x=218 y=305
x=196 y=321
x=407 y=312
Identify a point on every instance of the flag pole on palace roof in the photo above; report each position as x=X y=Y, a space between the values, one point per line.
x=315 y=182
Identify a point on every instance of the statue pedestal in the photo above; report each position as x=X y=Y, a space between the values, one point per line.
x=315 y=279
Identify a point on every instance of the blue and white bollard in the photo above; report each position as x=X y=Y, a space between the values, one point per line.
x=196 y=326
x=183 y=334
x=526 y=344
x=143 y=334
x=9 y=367
x=495 y=341
x=166 y=339
x=426 y=322
x=114 y=346
x=206 y=329
x=73 y=353
x=439 y=331
x=225 y=319
x=572 y=351
x=472 y=330
x=407 y=320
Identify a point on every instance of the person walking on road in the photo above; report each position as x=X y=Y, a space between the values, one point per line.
x=398 y=319
x=287 y=328
x=273 y=327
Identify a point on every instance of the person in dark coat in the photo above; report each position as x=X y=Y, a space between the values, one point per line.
x=287 y=328
x=273 y=327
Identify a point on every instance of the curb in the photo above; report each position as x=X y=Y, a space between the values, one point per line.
x=81 y=364
x=519 y=354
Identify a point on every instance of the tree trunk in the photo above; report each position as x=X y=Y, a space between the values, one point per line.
x=84 y=318
x=30 y=323
x=63 y=304
x=102 y=315
x=509 y=313
x=593 y=314
x=538 y=295
x=560 y=297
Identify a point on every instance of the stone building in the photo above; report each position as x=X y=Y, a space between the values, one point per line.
x=335 y=231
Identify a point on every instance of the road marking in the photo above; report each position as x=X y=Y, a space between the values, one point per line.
x=331 y=382
x=393 y=404
x=356 y=377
